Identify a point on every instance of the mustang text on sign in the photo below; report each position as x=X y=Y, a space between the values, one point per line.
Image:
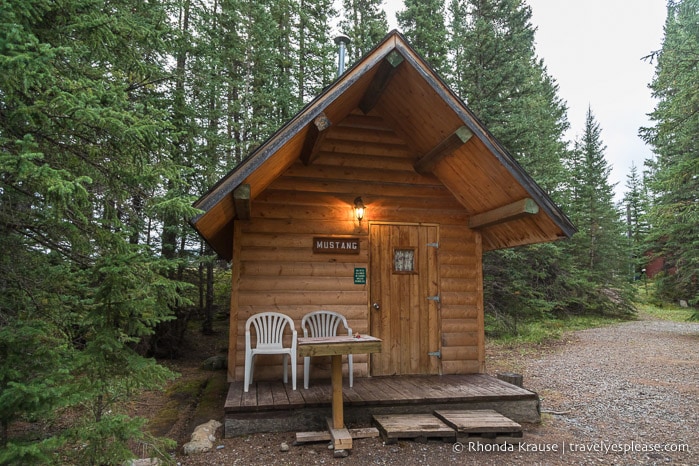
x=330 y=245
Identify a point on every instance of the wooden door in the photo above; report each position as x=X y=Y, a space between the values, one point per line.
x=404 y=298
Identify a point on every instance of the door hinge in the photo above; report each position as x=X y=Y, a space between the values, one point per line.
x=432 y=245
x=435 y=353
x=433 y=298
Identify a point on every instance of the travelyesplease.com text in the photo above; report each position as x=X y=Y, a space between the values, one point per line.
x=571 y=447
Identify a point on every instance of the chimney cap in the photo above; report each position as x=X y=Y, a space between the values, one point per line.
x=342 y=39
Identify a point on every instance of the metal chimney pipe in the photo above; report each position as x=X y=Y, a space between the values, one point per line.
x=341 y=40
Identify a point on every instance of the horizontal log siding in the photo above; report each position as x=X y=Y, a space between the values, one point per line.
x=278 y=270
x=462 y=300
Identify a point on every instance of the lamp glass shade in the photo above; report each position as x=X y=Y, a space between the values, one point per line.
x=359 y=208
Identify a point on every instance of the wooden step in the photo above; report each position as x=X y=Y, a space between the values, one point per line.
x=412 y=426
x=484 y=425
x=324 y=435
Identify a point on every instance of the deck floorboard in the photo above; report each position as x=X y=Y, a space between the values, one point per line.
x=266 y=395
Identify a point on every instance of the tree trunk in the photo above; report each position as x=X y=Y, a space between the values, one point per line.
x=207 y=325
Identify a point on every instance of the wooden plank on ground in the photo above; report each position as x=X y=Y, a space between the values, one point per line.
x=395 y=426
x=478 y=421
x=341 y=438
x=324 y=435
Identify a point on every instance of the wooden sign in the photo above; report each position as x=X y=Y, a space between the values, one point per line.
x=330 y=245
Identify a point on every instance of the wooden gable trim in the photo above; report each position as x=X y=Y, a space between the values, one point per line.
x=479 y=130
x=387 y=69
x=314 y=138
x=241 y=200
x=506 y=213
x=426 y=163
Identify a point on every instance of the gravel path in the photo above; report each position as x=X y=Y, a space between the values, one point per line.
x=633 y=385
x=624 y=394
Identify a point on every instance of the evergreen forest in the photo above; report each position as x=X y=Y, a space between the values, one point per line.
x=115 y=116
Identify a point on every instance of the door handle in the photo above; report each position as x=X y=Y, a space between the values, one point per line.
x=376 y=306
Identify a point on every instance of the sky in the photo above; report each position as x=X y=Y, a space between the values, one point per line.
x=594 y=50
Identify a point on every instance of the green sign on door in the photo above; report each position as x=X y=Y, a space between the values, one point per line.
x=359 y=276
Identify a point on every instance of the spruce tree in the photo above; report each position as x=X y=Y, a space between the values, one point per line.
x=365 y=23
x=600 y=248
x=316 y=65
x=636 y=205
x=285 y=46
x=260 y=60
x=85 y=157
x=674 y=172
x=497 y=73
x=423 y=24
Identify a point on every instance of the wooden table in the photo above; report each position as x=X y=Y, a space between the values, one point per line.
x=336 y=347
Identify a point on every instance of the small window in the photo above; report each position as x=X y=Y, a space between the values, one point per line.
x=404 y=260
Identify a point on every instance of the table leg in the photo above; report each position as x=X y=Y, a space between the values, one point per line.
x=336 y=377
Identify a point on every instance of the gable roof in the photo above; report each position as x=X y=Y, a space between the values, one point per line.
x=448 y=141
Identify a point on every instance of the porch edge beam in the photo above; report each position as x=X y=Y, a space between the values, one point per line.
x=314 y=138
x=241 y=201
x=458 y=138
x=383 y=76
x=506 y=213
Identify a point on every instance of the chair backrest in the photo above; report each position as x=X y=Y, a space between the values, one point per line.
x=269 y=328
x=323 y=324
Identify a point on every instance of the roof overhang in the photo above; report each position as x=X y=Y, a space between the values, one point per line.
x=449 y=142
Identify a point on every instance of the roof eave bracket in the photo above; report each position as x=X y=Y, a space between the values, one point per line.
x=516 y=210
x=317 y=131
x=425 y=164
x=241 y=201
x=387 y=68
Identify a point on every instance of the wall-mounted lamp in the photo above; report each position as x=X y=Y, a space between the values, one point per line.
x=359 y=208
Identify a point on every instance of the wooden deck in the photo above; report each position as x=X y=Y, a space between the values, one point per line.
x=274 y=406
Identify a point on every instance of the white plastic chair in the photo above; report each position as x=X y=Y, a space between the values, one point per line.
x=323 y=324
x=269 y=330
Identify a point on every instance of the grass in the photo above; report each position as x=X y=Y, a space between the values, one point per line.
x=179 y=396
x=213 y=396
x=542 y=331
x=648 y=306
x=665 y=312
x=552 y=329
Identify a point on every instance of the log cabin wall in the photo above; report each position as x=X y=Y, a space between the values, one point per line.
x=275 y=268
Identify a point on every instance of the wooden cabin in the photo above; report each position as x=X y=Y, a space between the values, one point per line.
x=438 y=190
